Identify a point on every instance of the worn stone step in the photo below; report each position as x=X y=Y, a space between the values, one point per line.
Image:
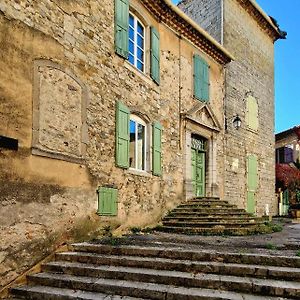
x=39 y=292
x=187 y=254
x=202 y=210
x=257 y=271
x=206 y=205
x=158 y=291
x=224 y=218
x=208 y=224
x=220 y=230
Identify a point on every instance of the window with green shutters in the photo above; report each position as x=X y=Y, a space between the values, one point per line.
x=156 y=160
x=122 y=135
x=131 y=142
x=155 y=55
x=130 y=37
x=107 y=201
x=252 y=113
x=201 y=78
x=121 y=27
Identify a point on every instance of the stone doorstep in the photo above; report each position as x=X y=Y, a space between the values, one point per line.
x=255 y=271
x=39 y=292
x=178 y=253
x=138 y=289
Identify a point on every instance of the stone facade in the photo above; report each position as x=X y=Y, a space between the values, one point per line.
x=249 y=34
x=60 y=81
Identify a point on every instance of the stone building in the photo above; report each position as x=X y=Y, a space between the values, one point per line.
x=287 y=146
x=249 y=34
x=110 y=113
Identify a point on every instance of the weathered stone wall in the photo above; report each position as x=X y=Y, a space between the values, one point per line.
x=207 y=13
x=48 y=187
x=251 y=73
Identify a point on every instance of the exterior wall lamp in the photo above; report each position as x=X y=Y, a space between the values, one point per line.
x=237 y=122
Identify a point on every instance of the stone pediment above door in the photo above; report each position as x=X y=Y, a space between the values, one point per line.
x=202 y=114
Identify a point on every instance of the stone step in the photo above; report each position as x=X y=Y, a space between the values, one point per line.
x=257 y=271
x=220 y=218
x=208 y=214
x=206 y=204
x=187 y=254
x=39 y=292
x=202 y=210
x=201 y=224
x=221 y=230
x=161 y=291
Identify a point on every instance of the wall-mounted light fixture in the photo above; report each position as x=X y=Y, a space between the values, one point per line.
x=237 y=122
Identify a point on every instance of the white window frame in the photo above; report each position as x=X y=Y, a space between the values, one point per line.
x=135 y=45
x=138 y=120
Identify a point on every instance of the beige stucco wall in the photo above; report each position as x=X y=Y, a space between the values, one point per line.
x=48 y=199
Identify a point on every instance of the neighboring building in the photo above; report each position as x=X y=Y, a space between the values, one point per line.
x=249 y=34
x=287 y=153
x=287 y=145
x=123 y=98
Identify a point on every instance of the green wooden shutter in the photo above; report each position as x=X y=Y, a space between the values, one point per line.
x=107 y=201
x=157 y=133
x=201 y=79
x=122 y=135
x=252 y=173
x=121 y=27
x=252 y=113
x=252 y=178
x=155 y=55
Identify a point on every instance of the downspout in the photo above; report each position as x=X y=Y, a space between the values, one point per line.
x=222 y=22
x=180 y=94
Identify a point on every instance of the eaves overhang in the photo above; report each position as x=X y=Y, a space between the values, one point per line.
x=263 y=19
x=168 y=13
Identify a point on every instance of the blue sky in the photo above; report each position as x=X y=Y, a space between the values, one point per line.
x=287 y=62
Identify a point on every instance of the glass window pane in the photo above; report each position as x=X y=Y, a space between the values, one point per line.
x=141 y=147
x=140 y=66
x=140 y=29
x=140 y=54
x=131 y=47
x=131 y=33
x=132 y=163
x=140 y=41
x=131 y=58
x=131 y=20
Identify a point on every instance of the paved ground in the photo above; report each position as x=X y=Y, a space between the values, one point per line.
x=284 y=243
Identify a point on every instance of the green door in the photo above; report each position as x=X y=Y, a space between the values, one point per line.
x=252 y=180
x=198 y=172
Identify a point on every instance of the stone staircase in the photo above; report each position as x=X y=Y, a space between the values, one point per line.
x=129 y=272
x=211 y=216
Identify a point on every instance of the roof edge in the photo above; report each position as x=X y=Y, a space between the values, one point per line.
x=169 y=14
x=179 y=12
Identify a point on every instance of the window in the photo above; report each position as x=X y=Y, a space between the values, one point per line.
x=136 y=43
x=201 y=79
x=137 y=147
x=252 y=113
x=130 y=36
x=132 y=147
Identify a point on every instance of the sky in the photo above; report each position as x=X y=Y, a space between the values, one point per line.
x=287 y=62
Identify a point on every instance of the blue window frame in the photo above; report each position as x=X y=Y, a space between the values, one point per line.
x=136 y=39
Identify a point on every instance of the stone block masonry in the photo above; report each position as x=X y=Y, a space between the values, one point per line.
x=60 y=80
